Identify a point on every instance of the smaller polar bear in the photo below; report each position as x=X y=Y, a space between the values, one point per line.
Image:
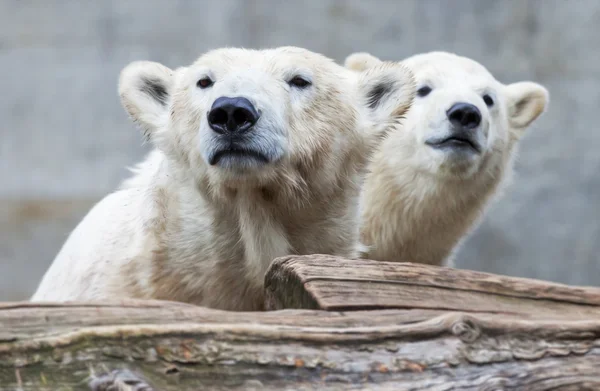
x=258 y=154
x=431 y=179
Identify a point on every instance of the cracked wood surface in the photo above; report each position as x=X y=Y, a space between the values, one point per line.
x=412 y=327
x=183 y=347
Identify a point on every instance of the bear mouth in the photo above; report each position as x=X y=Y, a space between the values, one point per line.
x=237 y=153
x=455 y=142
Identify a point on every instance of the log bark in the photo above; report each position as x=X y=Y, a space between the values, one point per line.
x=182 y=347
x=336 y=284
x=413 y=327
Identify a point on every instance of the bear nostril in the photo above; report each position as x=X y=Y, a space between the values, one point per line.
x=242 y=116
x=232 y=115
x=464 y=115
x=217 y=117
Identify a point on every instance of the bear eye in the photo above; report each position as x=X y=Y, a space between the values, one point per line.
x=488 y=100
x=299 y=81
x=423 y=91
x=205 y=82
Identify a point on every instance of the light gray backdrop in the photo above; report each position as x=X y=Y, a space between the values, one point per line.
x=65 y=140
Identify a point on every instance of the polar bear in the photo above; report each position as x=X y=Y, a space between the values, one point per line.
x=432 y=178
x=258 y=154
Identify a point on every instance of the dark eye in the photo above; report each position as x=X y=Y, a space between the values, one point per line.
x=205 y=83
x=299 y=81
x=423 y=91
x=488 y=100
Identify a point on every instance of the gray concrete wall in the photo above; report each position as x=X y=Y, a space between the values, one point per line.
x=65 y=140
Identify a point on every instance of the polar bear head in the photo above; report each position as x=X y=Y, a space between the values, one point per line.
x=285 y=117
x=431 y=179
x=463 y=122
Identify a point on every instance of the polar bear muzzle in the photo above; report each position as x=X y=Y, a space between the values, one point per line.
x=232 y=119
x=465 y=121
x=232 y=116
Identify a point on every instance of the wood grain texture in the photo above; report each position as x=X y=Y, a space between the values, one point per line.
x=413 y=327
x=182 y=347
x=332 y=283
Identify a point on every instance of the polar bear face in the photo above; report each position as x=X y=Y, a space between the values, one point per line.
x=240 y=117
x=462 y=115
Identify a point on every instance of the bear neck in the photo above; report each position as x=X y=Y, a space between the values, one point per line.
x=233 y=236
x=421 y=218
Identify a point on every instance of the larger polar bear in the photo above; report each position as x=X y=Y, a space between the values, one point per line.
x=431 y=179
x=259 y=154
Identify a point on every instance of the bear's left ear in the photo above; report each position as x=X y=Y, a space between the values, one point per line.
x=526 y=102
x=387 y=91
x=145 y=91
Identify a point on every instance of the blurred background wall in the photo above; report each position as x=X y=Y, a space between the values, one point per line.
x=65 y=140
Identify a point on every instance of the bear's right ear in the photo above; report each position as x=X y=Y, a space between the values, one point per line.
x=145 y=91
x=387 y=91
x=526 y=102
x=361 y=61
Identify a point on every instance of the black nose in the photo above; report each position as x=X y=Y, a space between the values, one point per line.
x=232 y=115
x=464 y=115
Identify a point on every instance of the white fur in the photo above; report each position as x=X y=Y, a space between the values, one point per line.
x=183 y=229
x=419 y=203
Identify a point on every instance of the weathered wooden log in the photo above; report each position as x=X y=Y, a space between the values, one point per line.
x=337 y=284
x=423 y=347
x=181 y=347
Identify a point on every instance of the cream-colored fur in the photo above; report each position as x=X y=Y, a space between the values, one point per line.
x=191 y=229
x=419 y=202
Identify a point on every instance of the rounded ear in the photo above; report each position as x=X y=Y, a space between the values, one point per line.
x=145 y=91
x=387 y=91
x=361 y=61
x=526 y=102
